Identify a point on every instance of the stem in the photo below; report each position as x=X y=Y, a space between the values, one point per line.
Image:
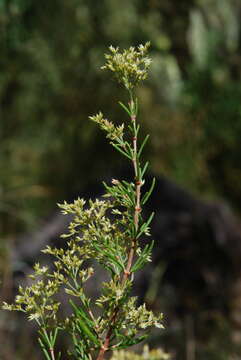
x=105 y=347
x=50 y=344
x=51 y=350
x=126 y=273
x=138 y=201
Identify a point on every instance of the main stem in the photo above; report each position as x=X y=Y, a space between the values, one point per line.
x=131 y=254
x=51 y=350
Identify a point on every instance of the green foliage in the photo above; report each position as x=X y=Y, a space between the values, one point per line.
x=108 y=231
x=50 y=53
x=50 y=82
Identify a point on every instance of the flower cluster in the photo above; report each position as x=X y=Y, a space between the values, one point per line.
x=147 y=354
x=113 y=132
x=140 y=317
x=129 y=67
x=37 y=300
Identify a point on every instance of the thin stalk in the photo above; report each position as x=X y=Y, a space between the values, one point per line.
x=127 y=273
x=50 y=344
x=51 y=350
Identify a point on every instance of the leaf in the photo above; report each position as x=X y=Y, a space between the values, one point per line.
x=84 y=329
x=110 y=256
x=143 y=144
x=144 y=169
x=108 y=188
x=85 y=324
x=136 y=105
x=80 y=312
x=141 y=261
x=148 y=193
x=80 y=347
x=125 y=108
x=130 y=128
x=130 y=342
x=109 y=268
x=55 y=335
x=44 y=349
x=121 y=151
x=127 y=145
x=145 y=225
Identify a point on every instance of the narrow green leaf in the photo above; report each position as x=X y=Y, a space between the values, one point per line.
x=108 y=188
x=136 y=106
x=128 y=191
x=41 y=343
x=46 y=354
x=127 y=145
x=131 y=342
x=120 y=141
x=142 y=145
x=138 y=170
x=121 y=151
x=44 y=349
x=142 y=260
x=130 y=127
x=55 y=335
x=125 y=108
x=52 y=336
x=110 y=256
x=116 y=262
x=144 y=169
x=149 y=220
x=110 y=269
x=79 y=311
x=148 y=193
x=83 y=328
x=127 y=184
x=45 y=337
x=145 y=225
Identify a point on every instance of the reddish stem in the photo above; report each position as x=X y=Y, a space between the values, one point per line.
x=51 y=350
x=127 y=272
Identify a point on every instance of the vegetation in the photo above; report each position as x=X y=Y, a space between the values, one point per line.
x=109 y=232
x=51 y=81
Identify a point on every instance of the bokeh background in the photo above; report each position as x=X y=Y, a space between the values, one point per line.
x=50 y=82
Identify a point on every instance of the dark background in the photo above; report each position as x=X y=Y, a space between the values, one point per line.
x=50 y=82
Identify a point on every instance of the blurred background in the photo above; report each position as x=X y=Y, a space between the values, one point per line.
x=50 y=82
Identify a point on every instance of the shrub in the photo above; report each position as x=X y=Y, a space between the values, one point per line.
x=108 y=231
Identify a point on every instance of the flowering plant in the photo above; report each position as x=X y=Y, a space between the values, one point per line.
x=108 y=230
